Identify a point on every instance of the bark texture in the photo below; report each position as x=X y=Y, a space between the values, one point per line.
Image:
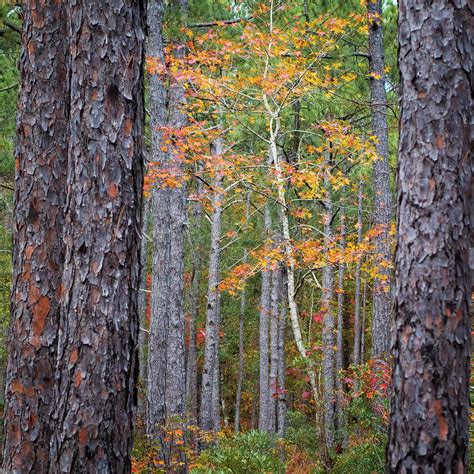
x=167 y=358
x=340 y=325
x=381 y=183
x=210 y=374
x=276 y=292
x=97 y=364
x=191 y=360
x=429 y=414
x=281 y=397
x=263 y=340
x=328 y=365
x=40 y=195
x=357 y=322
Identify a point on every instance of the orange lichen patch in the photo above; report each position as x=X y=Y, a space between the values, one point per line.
x=30 y=392
x=17 y=386
x=74 y=355
x=40 y=312
x=127 y=127
x=112 y=190
x=83 y=436
x=439 y=142
x=437 y=406
x=78 y=378
x=29 y=251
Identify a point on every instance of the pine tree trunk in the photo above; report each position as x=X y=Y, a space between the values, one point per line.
x=363 y=325
x=38 y=250
x=97 y=366
x=429 y=424
x=281 y=399
x=340 y=324
x=381 y=183
x=210 y=372
x=276 y=292
x=357 y=326
x=328 y=364
x=240 y=376
x=142 y=307
x=166 y=362
x=191 y=365
x=264 y=388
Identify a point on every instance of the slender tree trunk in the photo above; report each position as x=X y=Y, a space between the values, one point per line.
x=166 y=360
x=38 y=250
x=264 y=387
x=429 y=423
x=211 y=347
x=381 y=183
x=240 y=376
x=357 y=327
x=191 y=366
x=328 y=364
x=340 y=325
x=363 y=326
x=281 y=399
x=97 y=366
x=142 y=307
x=276 y=292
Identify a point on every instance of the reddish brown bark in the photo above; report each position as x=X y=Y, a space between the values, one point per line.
x=429 y=426
x=40 y=195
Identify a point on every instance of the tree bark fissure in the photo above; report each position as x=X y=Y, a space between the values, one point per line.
x=429 y=424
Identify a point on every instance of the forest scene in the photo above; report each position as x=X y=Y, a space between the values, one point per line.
x=236 y=236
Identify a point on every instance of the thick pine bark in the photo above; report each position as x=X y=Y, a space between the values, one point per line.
x=381 y=183
x=40 y=195
x=166 y=371
x=97 y=364
x=210 y=374
x=263 y=340
x=429 y=415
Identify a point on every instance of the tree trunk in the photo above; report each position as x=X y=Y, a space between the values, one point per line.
x=357 y=327
x=328 y=364
x=97 y=366
x=276 y=292
x=340 y=325
x=240 y=376
x=166 y=360
x=142 y=307
x=381 y=183
x=38 y=250
x=210 y=377
x=429 y=424
x=281 y=398
x=264 y=387
x=191 y=366
x=363 y=326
